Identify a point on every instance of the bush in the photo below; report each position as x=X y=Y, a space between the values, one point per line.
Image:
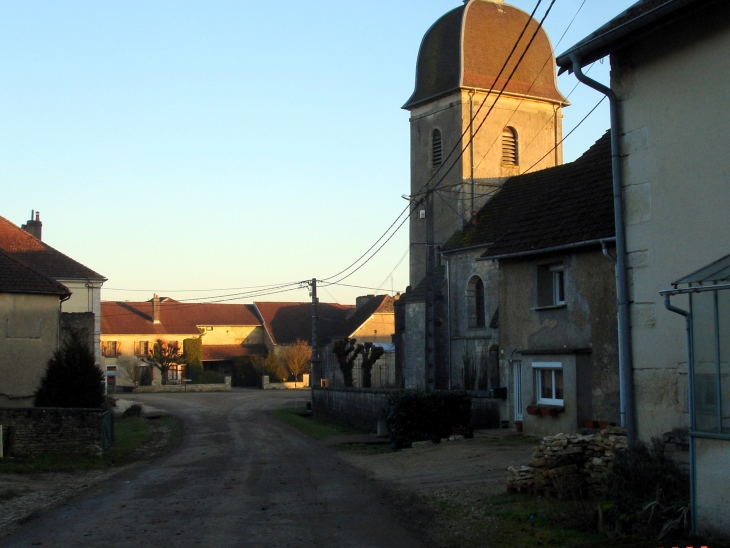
x=417 y=416
x=245 y=373
x=194 y=372
x=211 y=377
x=72 y=377
x=145 y=376
x=134 y=410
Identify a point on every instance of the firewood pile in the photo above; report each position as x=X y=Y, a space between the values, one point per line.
x=564 y=463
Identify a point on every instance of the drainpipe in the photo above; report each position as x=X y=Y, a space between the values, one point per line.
x=691 y=403
x=448 y=314
x=625 y=359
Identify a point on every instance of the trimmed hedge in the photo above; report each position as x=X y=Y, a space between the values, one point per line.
x=420 y=416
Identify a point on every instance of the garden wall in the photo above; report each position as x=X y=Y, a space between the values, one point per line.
x=364 y=407
x=34 y=430
x=225 y=387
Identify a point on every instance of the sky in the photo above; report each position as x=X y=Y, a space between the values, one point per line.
x=207 y=150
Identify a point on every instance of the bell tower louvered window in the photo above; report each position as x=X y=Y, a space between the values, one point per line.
x=436 y=149
x=510 y=156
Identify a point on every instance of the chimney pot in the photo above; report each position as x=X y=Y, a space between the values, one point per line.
x=155 y=309
x=34 y=227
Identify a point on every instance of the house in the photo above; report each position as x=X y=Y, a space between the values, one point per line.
x=226 y=331
x=526 y=300
x=371 y=321
x=82 y=309
x=669 y=115
x=30 y=312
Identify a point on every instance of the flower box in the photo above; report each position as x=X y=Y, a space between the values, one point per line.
x=533 y=410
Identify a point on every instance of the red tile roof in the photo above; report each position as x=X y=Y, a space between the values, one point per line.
x=380 y=304
x=287 y=322
x=16 y=277
x=175 y=317
x=40 y=256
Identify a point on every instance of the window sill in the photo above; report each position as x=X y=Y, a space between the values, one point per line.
x=549 y=307
x=544 y=410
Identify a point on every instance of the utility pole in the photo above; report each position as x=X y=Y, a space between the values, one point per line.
x=430 y=338
x=315 y=372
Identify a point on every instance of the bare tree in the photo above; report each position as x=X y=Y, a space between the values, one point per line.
x=370 y=354
x=164 y=355
x=296 y=358
x=128 y=365
x=347 y=351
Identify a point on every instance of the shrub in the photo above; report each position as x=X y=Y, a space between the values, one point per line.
x=416 y=416
x=134 y=410
x=145 y=376
x=72 y=377
x=211 y=377
x=244 y=372
x=194 y=372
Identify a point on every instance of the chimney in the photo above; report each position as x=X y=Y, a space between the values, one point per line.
x=34 y=227
x=155 y=309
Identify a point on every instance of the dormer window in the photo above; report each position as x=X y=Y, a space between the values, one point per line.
x=510 y=156
x=436 y=148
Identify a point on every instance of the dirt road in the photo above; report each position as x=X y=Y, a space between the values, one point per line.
x=239 y=478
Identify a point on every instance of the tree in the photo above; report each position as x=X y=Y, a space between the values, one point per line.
x=72 y=377
x=347 y=350
x=193 y=358
x=129 y=366
x=370 y=354
x=164 y=355
x=296 y=358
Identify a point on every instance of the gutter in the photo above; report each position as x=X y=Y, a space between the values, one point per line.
x=470 y=248
x=625 y=358
x=586 y=243
x=690 y=402
x=590 y=50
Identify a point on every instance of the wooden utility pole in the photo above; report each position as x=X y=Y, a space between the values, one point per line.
x=315 y=373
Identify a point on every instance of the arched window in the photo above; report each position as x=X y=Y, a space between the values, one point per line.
x=510 y=151
x=475 y=298
x=436 y=148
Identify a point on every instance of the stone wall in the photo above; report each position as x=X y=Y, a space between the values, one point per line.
x=225 y=387
x=363 y=408
x=34 y=430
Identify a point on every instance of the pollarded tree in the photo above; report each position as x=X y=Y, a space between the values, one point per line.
x=370 y=354
x=164 y=355
x=72 y=377
x=347 y=351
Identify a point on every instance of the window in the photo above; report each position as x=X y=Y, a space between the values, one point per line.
x=549 y=382
x=510 y=155
x=436 y=148
x=111 y=349
x=475 y=300
x=550 y=285
x=141 y=348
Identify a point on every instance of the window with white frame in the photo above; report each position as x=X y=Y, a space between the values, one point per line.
x=549 y=382
x=141 y=348
x=550 y=285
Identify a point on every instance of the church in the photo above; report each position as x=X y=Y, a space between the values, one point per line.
x=512 y=293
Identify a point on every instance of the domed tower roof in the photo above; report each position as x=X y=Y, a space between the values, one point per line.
x=467 y=47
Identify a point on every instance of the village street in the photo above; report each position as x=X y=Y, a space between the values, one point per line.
x=239 y=478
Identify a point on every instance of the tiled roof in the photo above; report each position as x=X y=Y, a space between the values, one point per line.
x=287 y=322
x=40 y=256
x=175 y=317
x=467 y=48
x=618 y=31
x=222 y=352
x=418 y=293
x=558 y=206
x=16 y=277
x=380 y=304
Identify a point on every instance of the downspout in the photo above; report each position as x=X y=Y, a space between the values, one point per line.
x=448 y=316
x=625 y=359
x=691 y=403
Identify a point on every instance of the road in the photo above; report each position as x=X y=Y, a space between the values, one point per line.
x=238 y=478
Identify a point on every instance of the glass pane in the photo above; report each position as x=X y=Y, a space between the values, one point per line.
x=705 y=363
x=558 y=384
x=723 y=302
x=546 y=384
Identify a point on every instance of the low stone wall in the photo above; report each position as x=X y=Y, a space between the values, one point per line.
x=364 y=407
x=226 y=387
x=33 y=430
x=567 y=461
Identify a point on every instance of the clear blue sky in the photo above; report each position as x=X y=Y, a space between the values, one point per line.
x=210 y=145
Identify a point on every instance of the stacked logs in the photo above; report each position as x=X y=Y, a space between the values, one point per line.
x=566 y=463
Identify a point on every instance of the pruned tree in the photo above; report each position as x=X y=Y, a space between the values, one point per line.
x=370 y=355
x=347 y=351
x=296 y=358
x=164 y=355
x=129 y=366
x=72 y=377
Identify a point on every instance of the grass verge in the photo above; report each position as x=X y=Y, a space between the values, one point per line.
x=315 y=428
x=132 y=435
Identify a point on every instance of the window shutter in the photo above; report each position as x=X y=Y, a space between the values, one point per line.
x=119 y=348
x=509 y=147
x=436 y=149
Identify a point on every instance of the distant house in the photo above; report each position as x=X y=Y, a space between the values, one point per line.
x=371 y=321
x=227 y=331
x=669 y=74
x=30 y=309
x=83 y=307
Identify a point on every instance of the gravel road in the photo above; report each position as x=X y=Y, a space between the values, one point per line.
x=239 y=478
